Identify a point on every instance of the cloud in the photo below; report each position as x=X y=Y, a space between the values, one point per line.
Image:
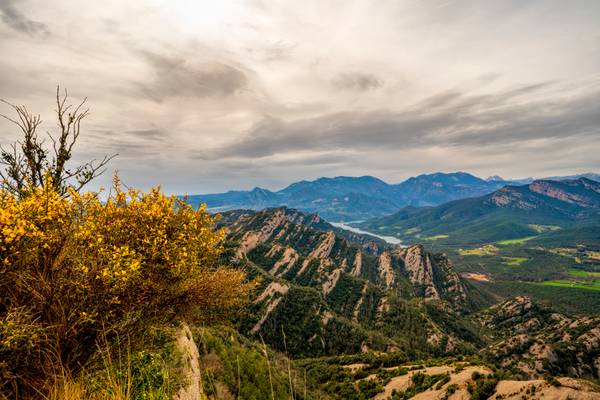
x=358 y=81
x=278 y=51
x=447 y=119
x=18 y=21
x=179 y=76
x=153 y=134
x=206 y=96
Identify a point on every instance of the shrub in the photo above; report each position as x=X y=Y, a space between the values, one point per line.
x=482 y=387
x=73 y=267
x=552 y=381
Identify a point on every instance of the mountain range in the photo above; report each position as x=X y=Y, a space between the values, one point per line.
x=333 y=295
x=358 y=198
x=322 y=294
x=512 y=212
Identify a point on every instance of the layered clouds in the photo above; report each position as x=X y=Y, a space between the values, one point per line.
x=206 y=96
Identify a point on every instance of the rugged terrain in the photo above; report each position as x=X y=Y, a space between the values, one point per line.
x=512 y=212
x=329 y=295
x=321 y=294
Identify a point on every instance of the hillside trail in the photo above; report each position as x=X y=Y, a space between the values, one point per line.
x=191 y=365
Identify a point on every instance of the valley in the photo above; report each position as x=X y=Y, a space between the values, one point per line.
x=510 y=308
x=388 y=239
x=357 y=315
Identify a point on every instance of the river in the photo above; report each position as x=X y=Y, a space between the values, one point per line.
x=389 y=239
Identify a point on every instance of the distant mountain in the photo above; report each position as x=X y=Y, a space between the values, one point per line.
x=508 y=213
x=256 y=198
x=588 y=175
x=439 y=188
x=354 y=198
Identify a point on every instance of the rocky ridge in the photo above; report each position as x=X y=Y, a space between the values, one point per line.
x=354 y=285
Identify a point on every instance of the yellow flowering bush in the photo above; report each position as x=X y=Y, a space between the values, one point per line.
x=75 y=267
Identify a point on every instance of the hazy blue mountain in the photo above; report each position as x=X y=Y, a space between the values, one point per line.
x=589 y=175
x=439 y=188
x=355 y=198
x=255 y=199
x=508 y=213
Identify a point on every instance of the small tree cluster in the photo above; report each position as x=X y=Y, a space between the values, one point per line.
x=29 y=162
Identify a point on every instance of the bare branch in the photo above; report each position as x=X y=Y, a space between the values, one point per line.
x=30 y=161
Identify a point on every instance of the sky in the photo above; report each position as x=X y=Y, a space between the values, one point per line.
x=207 y=96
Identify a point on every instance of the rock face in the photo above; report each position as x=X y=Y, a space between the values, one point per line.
x=434 y=274
x=386 y=273
x=537 y=341
x=418 y=266
x=303 y=260
x=564 y=197
x=191 y=365
x=517 y=315
x=564 y=191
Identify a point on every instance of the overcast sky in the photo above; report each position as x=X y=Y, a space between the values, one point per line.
x=206 y=96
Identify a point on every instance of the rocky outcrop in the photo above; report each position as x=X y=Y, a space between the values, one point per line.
x=272 y=295
x=359 y=303
x=385 y=271
x=324 y=248
x=562 y=191
x=190 y=371
x=331 y=280
x=517 y=315
x=252 y=239
x=538 y=341
x=419 y=267
x=435 y=275
x=357 y=266
x=288 y=259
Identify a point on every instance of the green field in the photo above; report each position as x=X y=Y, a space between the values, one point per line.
x=514 y=261
x=435 y=237
x=487 y=250
x=515 y=241
x=591 y=285
x=583 y=274
x=544 y=228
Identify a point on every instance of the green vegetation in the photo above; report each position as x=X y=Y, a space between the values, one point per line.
x=514 y=261
x=509 y=216
x=563 y=298
x=420 y=382
x=482 y=386
x=593 y=285
x=583 y=274
x=516 y=241
x=487 y=250
x=544 y=228
x=435 y=237
x=233 y=366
